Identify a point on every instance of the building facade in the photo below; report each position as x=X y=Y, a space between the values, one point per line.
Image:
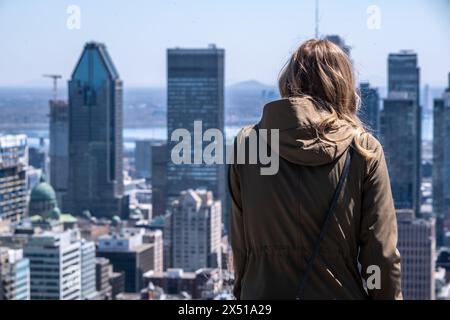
x=416 y=243
x=14 y=275
x=195 y=93
x=95 y=136
x=59 y=147
x=13 y=180
x=55 y=266
x=441 y=158
x=196 y=231
x=370 y=107
x=401 y=133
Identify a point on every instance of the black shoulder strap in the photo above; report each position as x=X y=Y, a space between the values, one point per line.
x=326 y=222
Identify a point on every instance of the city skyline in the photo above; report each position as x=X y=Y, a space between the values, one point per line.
x=203 y=24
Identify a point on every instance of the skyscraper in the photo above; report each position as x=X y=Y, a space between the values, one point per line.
x=401 y=129
x=195 y=93
x=59 y=147
x=95 y=136
x=441 y=158
x=13 y=185
x=416 y=243
x=370 y=106
x=196 y=230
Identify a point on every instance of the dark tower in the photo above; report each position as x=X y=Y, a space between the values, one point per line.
x=95 y=136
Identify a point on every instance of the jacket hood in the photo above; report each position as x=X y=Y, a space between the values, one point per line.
x=297 y=120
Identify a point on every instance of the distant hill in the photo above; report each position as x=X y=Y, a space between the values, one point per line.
x=250 y=85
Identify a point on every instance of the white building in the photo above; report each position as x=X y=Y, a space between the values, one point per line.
x=14 y=275
x=196 y=223
x=60 y=265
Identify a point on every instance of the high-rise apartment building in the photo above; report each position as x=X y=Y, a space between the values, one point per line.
x=13 y=183
x=195 y=231
x=195 y=83
x=95 y=136
x=416 y=243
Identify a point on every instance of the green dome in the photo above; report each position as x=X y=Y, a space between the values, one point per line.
x=43 y=192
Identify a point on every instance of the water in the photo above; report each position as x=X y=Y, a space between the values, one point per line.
x=130 y=135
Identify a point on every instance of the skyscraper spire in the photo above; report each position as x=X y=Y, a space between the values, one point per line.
x=317 y=20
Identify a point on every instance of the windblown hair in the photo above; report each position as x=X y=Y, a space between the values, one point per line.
x=322 y=72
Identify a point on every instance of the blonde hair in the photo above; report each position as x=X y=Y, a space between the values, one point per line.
x=322 y=72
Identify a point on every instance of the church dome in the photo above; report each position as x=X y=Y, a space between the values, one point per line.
x=43 y=192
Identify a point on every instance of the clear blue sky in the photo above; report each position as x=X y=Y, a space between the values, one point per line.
x=258 y=35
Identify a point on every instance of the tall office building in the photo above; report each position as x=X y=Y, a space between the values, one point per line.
x=95 y=136
x=14 y=275
x=55 y=265
x=127 y=253
x=370 y=107
x=143 y=158
x=13 y=184
x=195 y=93
x=441 y=159
x=196 y=230
x=401 y=130
x=59 y=147
x=159 y=179
x=416 y=243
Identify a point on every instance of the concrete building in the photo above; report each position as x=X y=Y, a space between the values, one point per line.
x=55 y=265
x=416 y=243
x=95 y=136
x=14 y=275
x=13 y=184
x=127 y=253
x=88 y=281
x=199 y=284
x=196 y=222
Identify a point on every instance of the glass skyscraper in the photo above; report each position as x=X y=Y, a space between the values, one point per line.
x=195 y=93
x=95 y=136
x=401 y=129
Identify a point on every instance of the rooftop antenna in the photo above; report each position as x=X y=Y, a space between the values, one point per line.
x=317 y=20
x=55 y=78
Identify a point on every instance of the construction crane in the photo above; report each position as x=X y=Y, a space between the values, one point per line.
x=55 y=78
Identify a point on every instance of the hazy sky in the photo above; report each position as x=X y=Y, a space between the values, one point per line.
x=258 y=35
